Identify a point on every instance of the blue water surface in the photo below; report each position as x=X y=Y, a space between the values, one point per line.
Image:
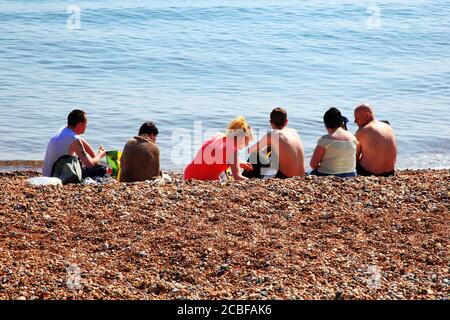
x=182 y=63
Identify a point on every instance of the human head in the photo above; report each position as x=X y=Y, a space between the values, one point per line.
x=149 y=128
x=363 y=115
x=77 y=121
x=239 y=128
x=333 y=119
x=278 y=118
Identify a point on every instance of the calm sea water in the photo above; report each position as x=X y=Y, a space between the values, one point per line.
x=181 y=62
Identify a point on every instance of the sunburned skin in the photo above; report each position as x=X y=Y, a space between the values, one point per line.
x=378 y=143
x=287 y=145
x=83 y=149
x=288 y=149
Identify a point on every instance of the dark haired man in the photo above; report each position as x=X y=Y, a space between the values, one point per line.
x=140 y=156
x=67 y=141
x=378 y=144
x=287 y=149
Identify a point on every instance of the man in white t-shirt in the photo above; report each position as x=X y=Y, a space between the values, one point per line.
x=67 y=141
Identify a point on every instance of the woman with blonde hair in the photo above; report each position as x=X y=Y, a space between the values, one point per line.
x=220 y=152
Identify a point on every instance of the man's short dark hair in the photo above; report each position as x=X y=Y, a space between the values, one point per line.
x=148 y=128
x=75 y=117
x=333 y=118
x=278 y=117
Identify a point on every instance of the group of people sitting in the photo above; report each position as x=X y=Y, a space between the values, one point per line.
x=279 y=154
x=67 y=149
x=371 y=151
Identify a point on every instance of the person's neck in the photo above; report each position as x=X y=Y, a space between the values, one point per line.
x=333 y=130
x=74 y=130
x=148 y=137
x=370 y=120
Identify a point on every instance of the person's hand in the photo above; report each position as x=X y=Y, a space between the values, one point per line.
x=102 y=152
x=247 y=166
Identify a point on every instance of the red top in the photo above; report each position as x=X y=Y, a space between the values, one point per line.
x=211 y=160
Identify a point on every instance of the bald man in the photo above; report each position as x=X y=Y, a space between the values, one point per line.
x=378 y=152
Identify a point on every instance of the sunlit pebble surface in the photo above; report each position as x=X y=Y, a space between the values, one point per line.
x=301 y=238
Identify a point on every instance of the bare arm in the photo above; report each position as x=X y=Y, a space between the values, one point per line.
x=358 y=152
x=88 y=161
x=235 y=168
x=301 y=159
x=302 y=166
x=317 y=157
x=88 y=148
x=359 y=136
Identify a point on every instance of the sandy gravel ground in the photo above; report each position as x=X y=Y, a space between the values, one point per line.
x=302 y=238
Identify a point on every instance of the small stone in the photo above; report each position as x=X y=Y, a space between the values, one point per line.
x=223 y=268
x=142 y=254
x=327 y=215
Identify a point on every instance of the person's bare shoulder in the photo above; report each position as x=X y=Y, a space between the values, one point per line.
x=361 y=133
x=290 y=132
x=376 y=128
x=276 y=133
x=384 y=126
x=386 y=131
x=350 y=135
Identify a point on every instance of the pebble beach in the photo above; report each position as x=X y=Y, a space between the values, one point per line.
x=300 y=238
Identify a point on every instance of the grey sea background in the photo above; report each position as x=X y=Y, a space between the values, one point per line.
x=192 y=66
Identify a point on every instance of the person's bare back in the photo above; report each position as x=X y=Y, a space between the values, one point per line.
x=378 y=143
x=287 y=148
x=287 y=145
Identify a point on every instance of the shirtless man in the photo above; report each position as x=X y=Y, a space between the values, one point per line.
x=286 y=146
x=378 y=152
x=67 y=141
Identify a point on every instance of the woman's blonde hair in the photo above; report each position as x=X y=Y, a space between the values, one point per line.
x=239 y=126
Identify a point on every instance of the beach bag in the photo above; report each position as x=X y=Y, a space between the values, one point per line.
x=113 y=161
x=68 y=169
